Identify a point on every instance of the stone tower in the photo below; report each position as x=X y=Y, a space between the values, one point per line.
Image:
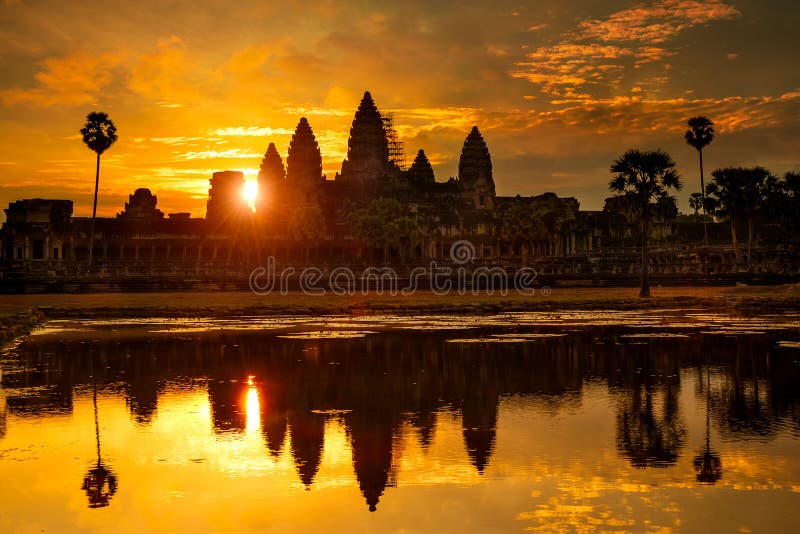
x=475 y=171
x=226 y=203
x=303 y=165
x=271 y=177
x=421 y=172
x=367 y=148
x=141 y=206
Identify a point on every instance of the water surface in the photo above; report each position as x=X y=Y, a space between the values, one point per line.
x=671 y=419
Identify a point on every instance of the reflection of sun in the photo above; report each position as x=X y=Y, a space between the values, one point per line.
x=253 y=407
x=250 y=192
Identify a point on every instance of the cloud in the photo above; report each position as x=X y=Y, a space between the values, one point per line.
x=250 y=131
x=600 y=54
x=168 y=75
x=637 y=116
x=233 y=153
x=656 y=22
x=309 y=111
x=75 y=79
x=562 y=69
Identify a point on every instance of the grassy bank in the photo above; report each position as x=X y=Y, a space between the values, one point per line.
x=228 y=303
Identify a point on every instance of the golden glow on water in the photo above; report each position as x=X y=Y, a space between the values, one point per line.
x=543 y=472
x=253 y=405
x=298 y=435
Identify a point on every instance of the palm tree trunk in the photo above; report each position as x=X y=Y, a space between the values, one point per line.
x=703 y=198
x=94 y=210
x=734 y=240
x=644 y=288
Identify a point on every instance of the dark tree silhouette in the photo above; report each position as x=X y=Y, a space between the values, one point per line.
x=696 y=203
x=644 y=180
x=783 y=197
x=740 y=193
x=522 y=226
x=306 y=225
x=99 y=134
x=382 y=223
x=699 y=135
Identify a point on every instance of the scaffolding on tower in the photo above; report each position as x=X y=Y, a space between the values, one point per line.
x=397 y=155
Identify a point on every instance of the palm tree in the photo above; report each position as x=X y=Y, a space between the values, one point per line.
x=644 y=180
x=740 y=192
x=699 y=135
x=98 y=134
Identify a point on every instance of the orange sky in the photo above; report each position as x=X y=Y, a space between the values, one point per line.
x=559 y=88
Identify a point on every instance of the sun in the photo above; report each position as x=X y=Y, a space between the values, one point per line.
x=250 y=193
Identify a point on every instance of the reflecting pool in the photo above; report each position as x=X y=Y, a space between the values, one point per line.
x=668 y=419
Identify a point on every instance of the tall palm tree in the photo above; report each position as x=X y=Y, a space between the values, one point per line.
x=644 y=180
x=699 y=135
x=99 y=134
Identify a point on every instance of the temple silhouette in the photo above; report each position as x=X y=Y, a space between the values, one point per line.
x=302 y=217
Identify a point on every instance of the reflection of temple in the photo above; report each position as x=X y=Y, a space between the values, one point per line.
x=386 y=382
x=371 y=437
x=480 y=421
x=307 y=432
x=228 y=408
x=273 y=417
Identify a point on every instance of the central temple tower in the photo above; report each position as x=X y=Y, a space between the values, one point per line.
x=367 y=160
x=304 y=165
x=475 y=171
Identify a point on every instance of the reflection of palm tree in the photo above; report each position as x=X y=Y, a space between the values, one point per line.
x=100 y=483
x=643 y=438
x=707 y=463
